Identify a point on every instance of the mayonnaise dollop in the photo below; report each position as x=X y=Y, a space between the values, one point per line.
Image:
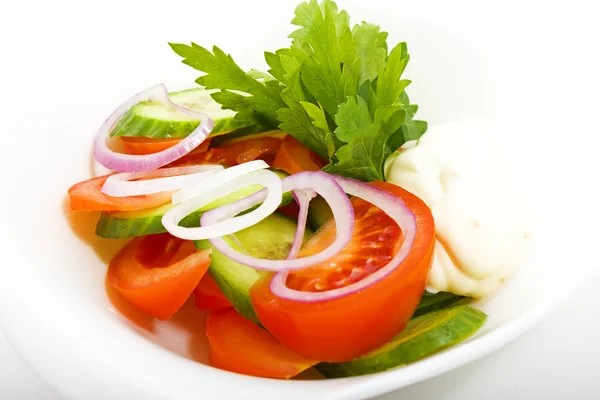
x=464 y=173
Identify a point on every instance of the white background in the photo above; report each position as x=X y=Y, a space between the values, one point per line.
x=557 y=360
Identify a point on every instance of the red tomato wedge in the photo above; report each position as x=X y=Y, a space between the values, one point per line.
x=345 y=328
x=237 y=151
x=209 y=296
x=241 y=151
x=290 y=210
x=192 y=158
x=238 y=345
x=158 y=273
x=140 y=145
x=86 y=196
x=294 y=157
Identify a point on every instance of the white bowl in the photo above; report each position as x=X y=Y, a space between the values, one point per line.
x=538 y=84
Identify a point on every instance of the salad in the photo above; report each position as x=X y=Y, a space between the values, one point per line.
x=263 y=195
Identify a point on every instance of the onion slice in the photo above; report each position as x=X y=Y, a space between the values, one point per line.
x=165 y=179
x=270 y=198
x=391 y=205
x=138 y=163
x=218 y=179
x=317 y=181
x=303 y=198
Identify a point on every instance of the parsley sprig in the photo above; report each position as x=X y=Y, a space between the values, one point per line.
x=336 y=89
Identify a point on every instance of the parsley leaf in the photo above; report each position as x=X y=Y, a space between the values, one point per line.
x=260 y=100
x=371 y=50
x=366 y=139
x=320 y=69
x=295 y=120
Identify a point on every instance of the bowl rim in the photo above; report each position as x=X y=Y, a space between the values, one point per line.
x=366 y=386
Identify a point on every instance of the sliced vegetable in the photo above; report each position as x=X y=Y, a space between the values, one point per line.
x=376 y=268
x=158 y=273
x=290 y=210
x=347 y=327
x=319 y=212
x=193 y=158
x=238 y=345
x=208 y=295
x=270 y=238
x=319 y=182
x=234 y=280
x=270 y=199
x=303 y=198
x=87 y=196
x=159 y=120
x=137 y=163
x=126 y=184
x=423 y=336
x=240 y=136
x=126 y=224
x=261 y=146
x=294 y=157
x=242 y=133
x=433 y=302
x=142 y=145
x=219 y=179
x=248 y=149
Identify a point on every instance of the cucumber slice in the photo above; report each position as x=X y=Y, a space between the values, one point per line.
x=127 y=224
x=319 y=212
x=242 y=134
x=160 y=121
x=271 y=238
x=422 y=337
x=436 y=301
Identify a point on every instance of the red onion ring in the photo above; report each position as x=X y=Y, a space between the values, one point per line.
x=124 y=184
x=271 y=199
x=391 y=205
x=139 y=163
x=303 y=198
x=191 y=191
x=317 y=181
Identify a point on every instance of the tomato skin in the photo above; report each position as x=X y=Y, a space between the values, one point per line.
x=239 y=152
x=143 y=145
x=239 y=345
x=294 y=157
x=140 y=145
x=290 y=210
x=208 y=295
x=157 y=273
x=86 y=196
x=345 y=328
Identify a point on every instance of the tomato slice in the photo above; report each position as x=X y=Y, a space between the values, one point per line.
x=158 y=273
x=86 y=196
x=239 y=152
x=140 y=145
x=209 y=296
x=294 y=157
x=236 y=151
x=345 y=328
x=192 y=158
x=290 y=210
x=238 y=345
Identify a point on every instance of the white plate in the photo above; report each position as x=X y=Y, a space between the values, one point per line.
x=72 y=64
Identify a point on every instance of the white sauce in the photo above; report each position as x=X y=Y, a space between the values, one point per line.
x=465 y=174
